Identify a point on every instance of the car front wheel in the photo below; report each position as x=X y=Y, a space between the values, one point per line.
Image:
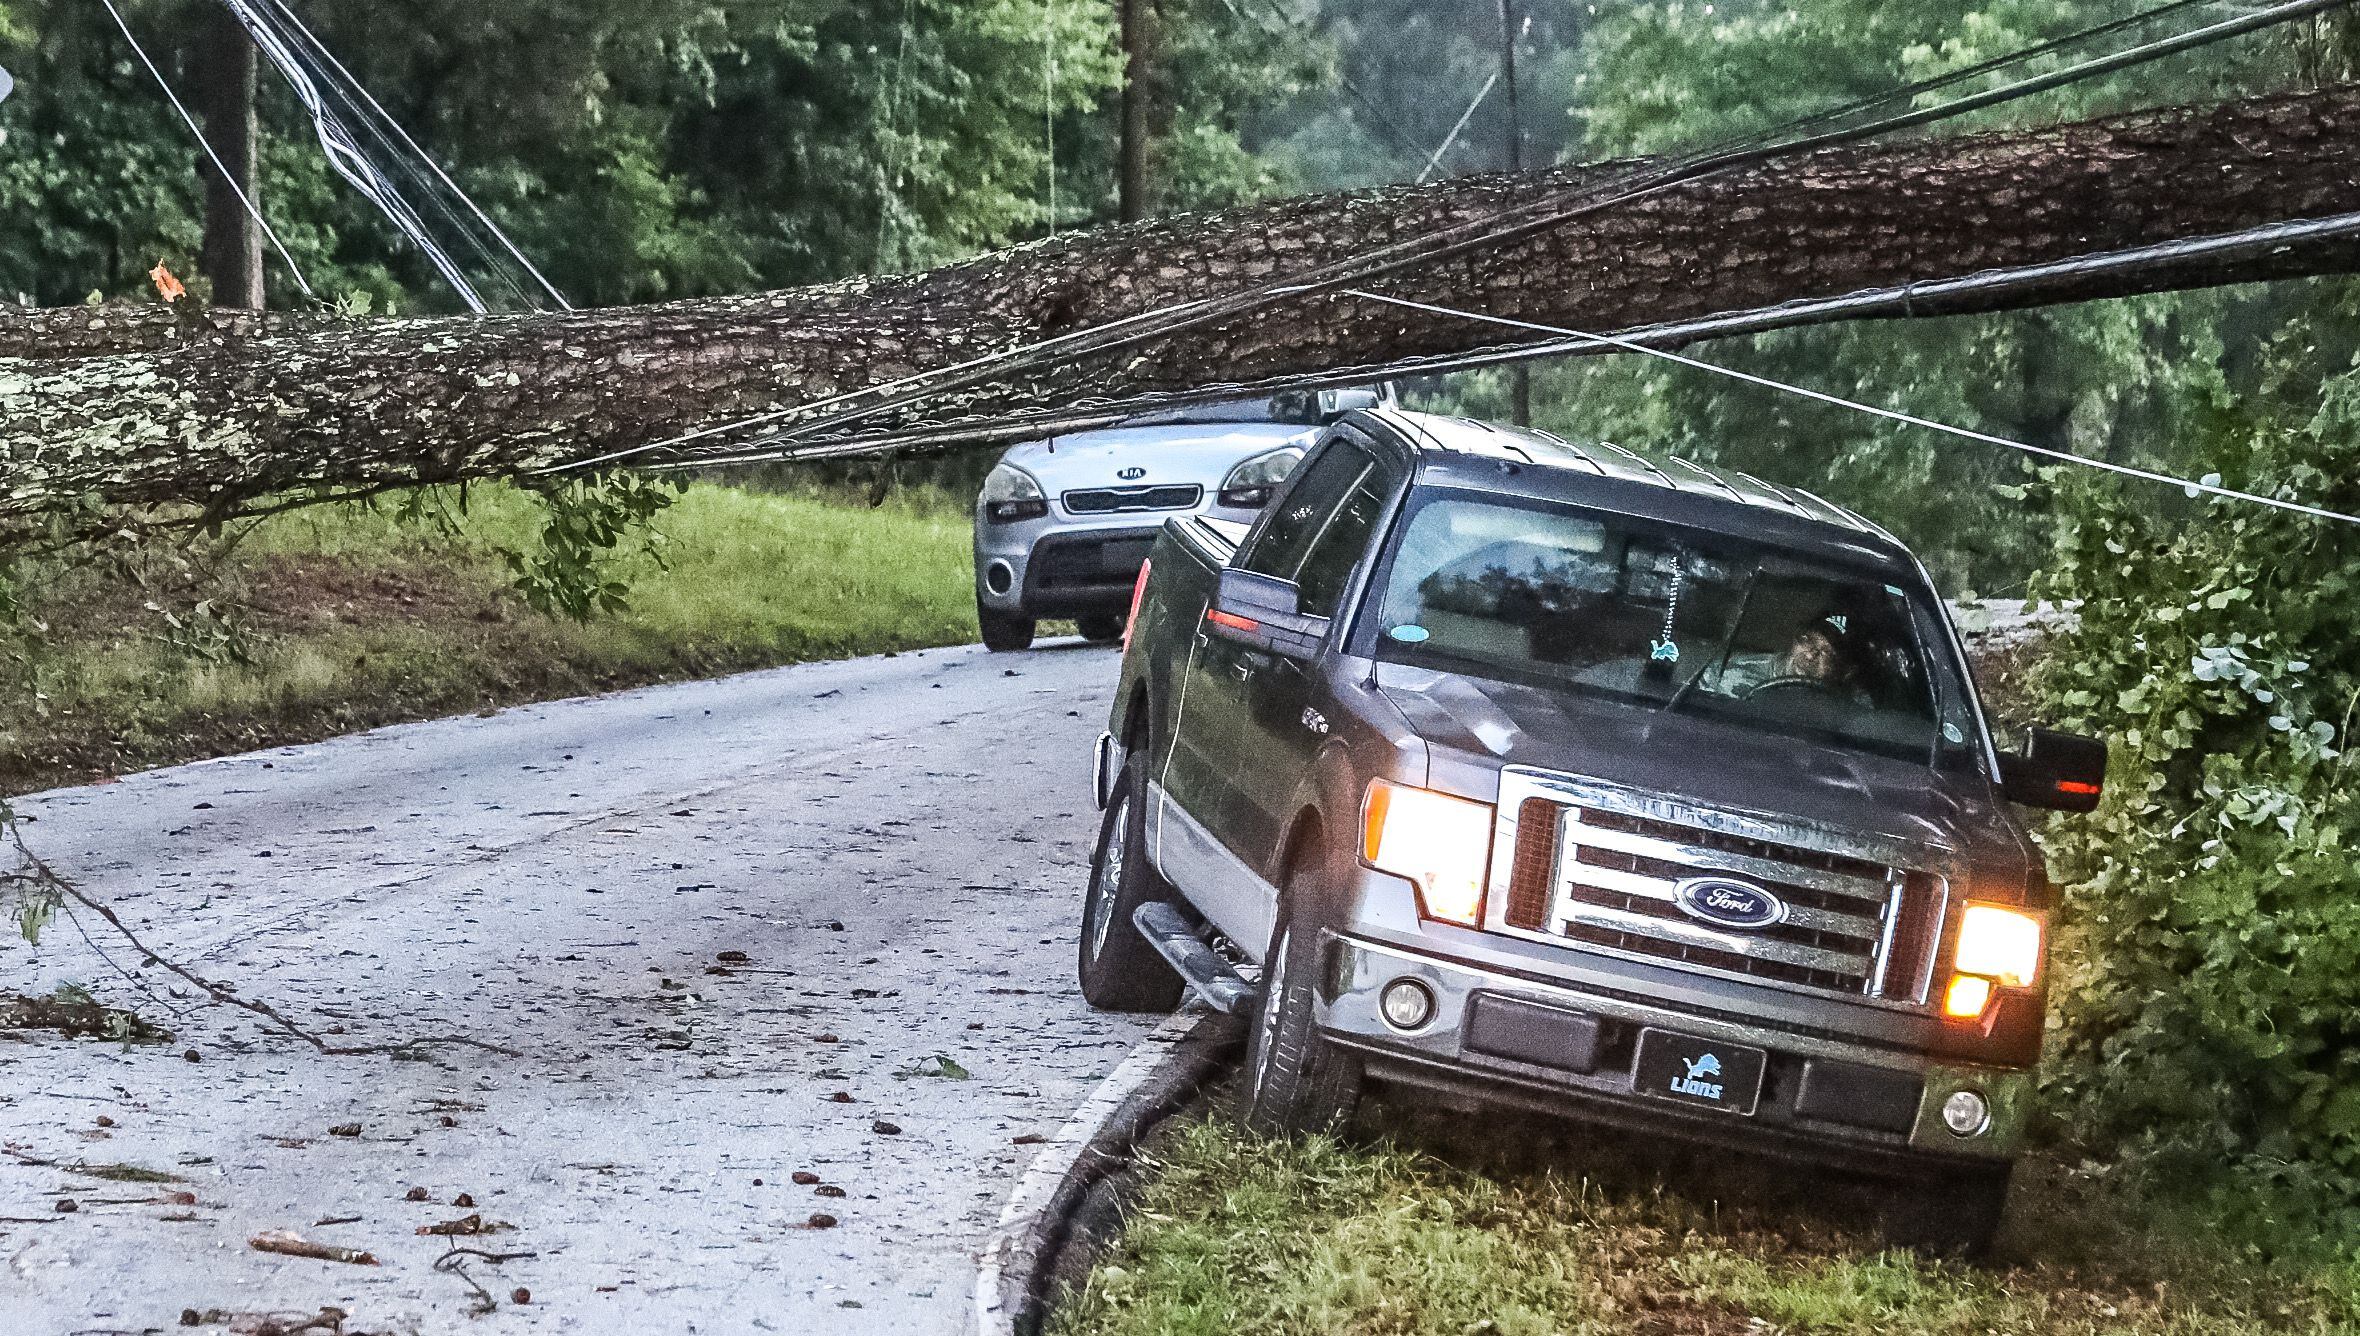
x=1004 y=632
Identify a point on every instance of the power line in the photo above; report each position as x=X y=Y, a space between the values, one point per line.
x=323 y=50
x=207 y=145
x=1838 y=401
x=1503 y=225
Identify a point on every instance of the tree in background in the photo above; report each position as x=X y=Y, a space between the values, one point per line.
x=637 y=149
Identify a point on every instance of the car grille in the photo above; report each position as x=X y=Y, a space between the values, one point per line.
x=1591 y=869
x=1120 y=500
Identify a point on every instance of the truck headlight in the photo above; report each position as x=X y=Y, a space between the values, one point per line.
x=1998 y=948
x=1010 y=494
x=1440 y=842
x=1249 y=485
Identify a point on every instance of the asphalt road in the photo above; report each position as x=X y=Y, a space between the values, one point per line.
x=897 y=846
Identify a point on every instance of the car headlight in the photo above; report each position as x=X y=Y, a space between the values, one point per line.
x=1249 y=485
x=1440 y=842
x=1010 y=494
x=1998 y=948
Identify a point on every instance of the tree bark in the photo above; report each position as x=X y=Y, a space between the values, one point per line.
x=216 y=421
x=224 y=91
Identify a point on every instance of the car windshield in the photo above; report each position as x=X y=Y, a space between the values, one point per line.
x=1293 y=407
x=1670 y=618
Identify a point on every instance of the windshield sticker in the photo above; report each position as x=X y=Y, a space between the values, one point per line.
x=1951 y=733
x=1665 y=650
x=1409 y=635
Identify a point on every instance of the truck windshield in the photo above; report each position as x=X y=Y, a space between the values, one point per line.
x=1670 y=618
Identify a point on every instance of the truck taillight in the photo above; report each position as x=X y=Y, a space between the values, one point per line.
x=1138 y=594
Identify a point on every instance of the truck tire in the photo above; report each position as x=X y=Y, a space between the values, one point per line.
x=1297 y=1080
x=1119 y=970
x=1004 y=632
x=1102 y=628
x=1953 y=1213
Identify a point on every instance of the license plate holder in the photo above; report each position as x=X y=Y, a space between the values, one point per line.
x=1700 y=1073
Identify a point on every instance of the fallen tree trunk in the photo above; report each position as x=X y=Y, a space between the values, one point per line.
x=218 y=421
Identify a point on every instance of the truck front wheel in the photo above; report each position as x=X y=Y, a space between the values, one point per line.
x=1954 y=1213
x=1119 y=970
x=1003 y=632
x=1297 y=1080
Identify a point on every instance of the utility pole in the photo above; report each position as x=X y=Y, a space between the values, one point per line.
x=224 y=90
x=1519 y=374
x=1131 y=182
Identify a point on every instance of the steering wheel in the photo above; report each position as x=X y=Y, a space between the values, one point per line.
x=1811 y=684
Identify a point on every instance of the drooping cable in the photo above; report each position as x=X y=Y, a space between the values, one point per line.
x=345 y=157
x=1508 y=224
x=1459 y=126
x=207 y=145
x=1855 y=405
x=323 y=52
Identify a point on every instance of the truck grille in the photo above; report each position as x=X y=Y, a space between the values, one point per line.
x=1597 y=873
x=1119 y=500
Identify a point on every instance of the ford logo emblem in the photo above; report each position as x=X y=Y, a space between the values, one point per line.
x=1134 y=472
x=1728 y=904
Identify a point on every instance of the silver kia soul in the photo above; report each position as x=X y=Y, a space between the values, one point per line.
x=1062 y=525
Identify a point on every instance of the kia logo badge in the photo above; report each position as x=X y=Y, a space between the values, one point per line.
x=1132 y=473
x=1728 y=904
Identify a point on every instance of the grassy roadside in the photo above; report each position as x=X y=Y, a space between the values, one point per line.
x=328 y=620
x=1235 y=1234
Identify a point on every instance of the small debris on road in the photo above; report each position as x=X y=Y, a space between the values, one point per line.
x=827 y=1190
x=345 y=1130
x=104 y=1121
x=520 y=1295
x=295 y=1245
x=885 y=1129
x=67 y=1206
x=464 y=1226
x=821 y=1220
x=804 y=1177
x=464 y=1201
x=415 y=1194
x=733 y=958
x=1029 y=1139
x=840 y=1097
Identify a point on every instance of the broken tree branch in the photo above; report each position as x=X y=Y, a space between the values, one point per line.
x=50 y=878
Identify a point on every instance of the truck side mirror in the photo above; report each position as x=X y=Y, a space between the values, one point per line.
x=1334 y=404
x=1263 y=611
x=2059 y=771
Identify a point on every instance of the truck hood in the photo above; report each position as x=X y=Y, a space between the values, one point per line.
x=1196 y=452
x=1476 y=725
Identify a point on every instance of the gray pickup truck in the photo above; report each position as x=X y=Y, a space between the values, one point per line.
x=1556 y=776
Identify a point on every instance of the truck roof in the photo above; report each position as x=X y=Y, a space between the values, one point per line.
x=1438 y=436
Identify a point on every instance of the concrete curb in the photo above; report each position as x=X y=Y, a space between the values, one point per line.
x=1037 y=1226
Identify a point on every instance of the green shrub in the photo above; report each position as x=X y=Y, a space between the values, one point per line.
x=2210 y=971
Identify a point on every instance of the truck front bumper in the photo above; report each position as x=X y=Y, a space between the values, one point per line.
x=1566 y=1049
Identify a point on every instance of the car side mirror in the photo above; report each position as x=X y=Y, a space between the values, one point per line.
x=1334 y=404
x=1263 y=611
x=2059 y=771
